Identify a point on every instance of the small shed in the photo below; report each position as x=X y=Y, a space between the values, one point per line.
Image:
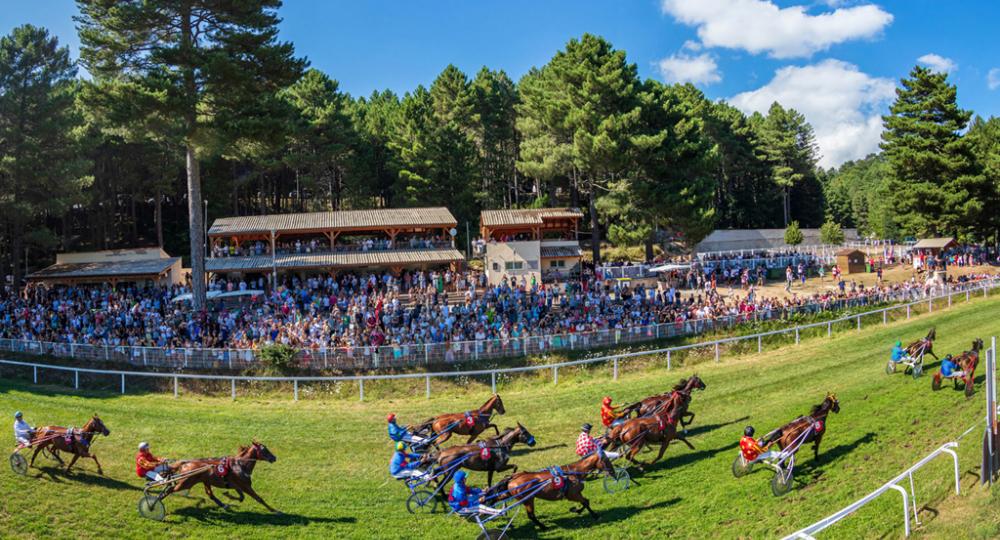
x=851 y=261
x=935 y=246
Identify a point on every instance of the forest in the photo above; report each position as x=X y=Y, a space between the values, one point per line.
x=201 y=112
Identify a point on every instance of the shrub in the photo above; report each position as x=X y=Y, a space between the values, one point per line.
x=278 y=357
x=831 y=233
x=793 y=235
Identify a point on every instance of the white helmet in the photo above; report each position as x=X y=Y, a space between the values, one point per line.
x=143 y=445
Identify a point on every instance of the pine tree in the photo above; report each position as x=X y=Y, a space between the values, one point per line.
x=793 y=234
x=789 y=146
x=934 y=185
x=190 y=70
x=984 y=138
x=42 y=171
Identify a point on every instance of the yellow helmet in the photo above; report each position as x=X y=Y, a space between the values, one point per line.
x=400 y=446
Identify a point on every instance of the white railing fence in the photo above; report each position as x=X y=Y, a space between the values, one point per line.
x=401 y=356
x=713 y=347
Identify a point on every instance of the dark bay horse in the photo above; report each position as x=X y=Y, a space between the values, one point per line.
x=926 y=343
x=787 y=434
x=60 y=439
x=636 y=433
x=676 y=400
x=233 y=472
x=967 y=361
x=470 y=423
x=496 y=448
x=526 y=486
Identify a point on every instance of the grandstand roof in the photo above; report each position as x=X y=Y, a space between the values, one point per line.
x=109 y=269
x=344 y=220
x=560 y=251
x=527 y=216
x=349 y=259
x=935 y=243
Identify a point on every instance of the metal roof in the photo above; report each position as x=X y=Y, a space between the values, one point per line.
x=934 y=243
x=148 y=267
x=375 y=219
x=378 y=258
x=561 y=251
x=526 y=216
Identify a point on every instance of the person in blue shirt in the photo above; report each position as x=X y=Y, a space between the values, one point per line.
x=400 y=467
x=467 y=498
x=399 y=433
x=898 y=353
x=949 y=368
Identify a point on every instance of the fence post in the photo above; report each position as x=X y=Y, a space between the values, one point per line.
x=615 y=376
x=76 y=379
x=949 y=300
x=427 y=355
x=232 y=386
x=907 y=311
x=930 y=305
x=796 y=335
x=885 y=317
x=493 y=381
x=829 y=329
x=858 y=318
x=34 y=370
x=123 y=384
x=427 y=387
x=107 y=355
x=295 y=389
x=144 y=358
x=668 y=359
x=966 y=295
x=716 y=351
x=555 y=375
x=175 y=387
x=361 y=385
x=760 y=345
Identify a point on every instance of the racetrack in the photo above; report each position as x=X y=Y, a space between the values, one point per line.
x=331 y=475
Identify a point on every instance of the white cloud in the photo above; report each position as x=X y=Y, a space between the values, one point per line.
x=682 y=68
x=843 y=104
x=762 y=26
x=938 y=63
x=993 y=79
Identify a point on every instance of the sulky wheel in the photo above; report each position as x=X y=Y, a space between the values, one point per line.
x=619 y=481
x=936 y=382
x=422 y=501
x=781 y=483
x=151 y=507
x=918 y=370
x=741 y=467
x=491 y=534
x=18 y=464
x=890 y=367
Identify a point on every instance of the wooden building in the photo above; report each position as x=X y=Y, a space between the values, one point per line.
x=140 y=265
x=851 y=261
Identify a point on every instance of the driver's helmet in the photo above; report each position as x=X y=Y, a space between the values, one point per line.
x=400 y=446
x=748 y=431
x=899 y=343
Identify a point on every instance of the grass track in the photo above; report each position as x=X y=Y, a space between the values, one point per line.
x=331 y=474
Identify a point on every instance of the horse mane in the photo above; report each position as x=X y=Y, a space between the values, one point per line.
x=932 y=334
x=680 y=386
x=817 y=408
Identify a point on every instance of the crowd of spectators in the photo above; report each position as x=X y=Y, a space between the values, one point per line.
x=308 y=245
x=417 y=307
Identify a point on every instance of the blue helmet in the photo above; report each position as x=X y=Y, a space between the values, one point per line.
x=460 y=477
x=18 y=414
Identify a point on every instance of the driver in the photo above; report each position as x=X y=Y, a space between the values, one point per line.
x=752 y=449
x=898 y=353
x=400 y=468
x=586 y=445
x=467 y=498
x=949 y=368
x=609 y=413
x=23 y=432
x=399 y=433
x=149 y=466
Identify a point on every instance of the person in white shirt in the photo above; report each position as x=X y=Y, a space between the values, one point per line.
x=23 y=432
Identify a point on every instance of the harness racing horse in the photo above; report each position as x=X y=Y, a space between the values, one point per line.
x=490 y=455
x=924 y=345
x=967 y=361
x=787 y=434
x=233 y=472
x=77 y=442
x=468 y=423
x=675 y=402
x=566 y=482
x=636 y=433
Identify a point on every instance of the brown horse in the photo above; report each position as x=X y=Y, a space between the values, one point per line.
x=927 y=344
x=233 y=472
x=636 y=433
x=490 y=455
x=470 y=423
x=789 y=433
x=967 y=361
x=74 y=441
x=675 y=401
x=549 y=485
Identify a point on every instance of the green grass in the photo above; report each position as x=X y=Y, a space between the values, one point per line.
x=331 y=475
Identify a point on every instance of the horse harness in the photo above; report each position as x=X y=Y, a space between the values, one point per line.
x=559 y=478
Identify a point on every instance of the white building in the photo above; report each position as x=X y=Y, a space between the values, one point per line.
x=538 y=244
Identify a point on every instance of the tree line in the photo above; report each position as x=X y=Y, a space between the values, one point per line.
x=194 y=101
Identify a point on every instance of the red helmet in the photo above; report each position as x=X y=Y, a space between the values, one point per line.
x=607 y=400
x=391 y=417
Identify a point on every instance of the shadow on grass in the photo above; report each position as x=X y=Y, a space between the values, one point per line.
x=679 y=460
x=207 y=513
x=81 y=476
x=583 y=521
x=707 y=428
x=524 y=450
x=812 y=468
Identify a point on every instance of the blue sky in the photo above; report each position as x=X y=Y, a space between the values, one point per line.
x=835 y=60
